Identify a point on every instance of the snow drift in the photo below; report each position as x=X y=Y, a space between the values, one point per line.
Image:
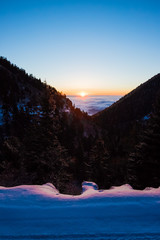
x=29 y=212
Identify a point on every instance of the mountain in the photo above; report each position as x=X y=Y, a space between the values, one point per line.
x=124 y=116
x=144 y=162
x=124 y=122
x=43 y=137
x=134 y=106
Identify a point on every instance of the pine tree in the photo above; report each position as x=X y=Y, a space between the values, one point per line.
x=6 y=118
x=45 y=159
x=97 y=166
x=144 y=162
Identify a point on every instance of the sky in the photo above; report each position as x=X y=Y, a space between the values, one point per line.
x=95 y=46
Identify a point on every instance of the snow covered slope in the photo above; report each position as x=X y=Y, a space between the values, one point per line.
x=41 y=212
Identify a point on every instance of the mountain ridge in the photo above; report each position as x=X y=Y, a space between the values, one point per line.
x=130 y=111
x=154 y=82
x=44 y=138
x=41 y=131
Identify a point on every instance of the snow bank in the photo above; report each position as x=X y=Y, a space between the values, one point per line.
x=40 y=211
x=89 y=186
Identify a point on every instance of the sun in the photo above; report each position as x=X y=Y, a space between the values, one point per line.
x=83 y=94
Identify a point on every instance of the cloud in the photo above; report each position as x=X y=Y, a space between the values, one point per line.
x=93 y=104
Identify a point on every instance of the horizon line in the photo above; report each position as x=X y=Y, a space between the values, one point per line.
x=92 y=93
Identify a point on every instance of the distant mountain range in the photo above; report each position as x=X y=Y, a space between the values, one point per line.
x=44 y=138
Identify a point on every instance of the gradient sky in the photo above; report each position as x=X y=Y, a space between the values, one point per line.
x=97 y=46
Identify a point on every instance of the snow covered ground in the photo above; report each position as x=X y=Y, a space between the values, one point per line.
x=41 y=212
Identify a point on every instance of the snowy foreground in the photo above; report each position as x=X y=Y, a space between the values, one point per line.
x=40 y=212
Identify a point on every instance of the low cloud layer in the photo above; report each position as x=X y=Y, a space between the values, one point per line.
x=93 y=104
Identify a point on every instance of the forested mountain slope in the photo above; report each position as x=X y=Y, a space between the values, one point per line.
x=124 y=119
x=133 y=106
x=43 y=137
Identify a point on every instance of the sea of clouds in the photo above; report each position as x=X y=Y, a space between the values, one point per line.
x=93 y=104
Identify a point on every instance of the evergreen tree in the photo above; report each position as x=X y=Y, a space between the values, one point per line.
x=144 y=162
x=45 y=159
x=97 y=166
x=6 y=118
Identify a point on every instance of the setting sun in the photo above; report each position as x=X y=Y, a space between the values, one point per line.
x=83 y=94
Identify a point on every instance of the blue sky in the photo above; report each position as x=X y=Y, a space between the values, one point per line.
x=97 y=46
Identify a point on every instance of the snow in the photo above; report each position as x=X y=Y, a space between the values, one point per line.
x=89 y=186
x=1 y=115
x=147 y=117
x=41 y=212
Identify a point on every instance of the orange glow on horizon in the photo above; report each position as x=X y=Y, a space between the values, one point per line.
x=93 y=92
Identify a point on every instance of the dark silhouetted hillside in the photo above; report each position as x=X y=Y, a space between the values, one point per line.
x=143 y=168
x=123 y=117
x=43 y=137
x=132 y=107
x=124 y=121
